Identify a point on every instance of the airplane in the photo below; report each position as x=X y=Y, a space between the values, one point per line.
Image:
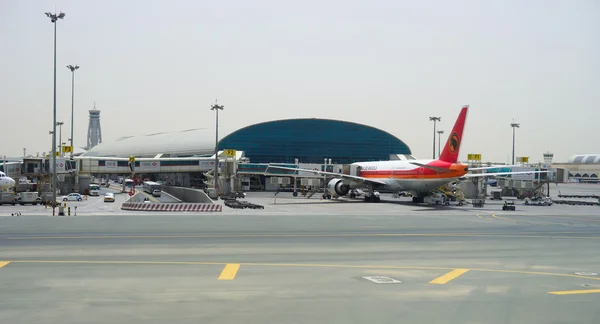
x=5 y=181
x=419 y=176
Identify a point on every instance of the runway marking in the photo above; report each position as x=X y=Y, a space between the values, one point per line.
x=449 y=276
x=307 y=265
x=3 y=263
x=575 y=292
x=523 y=235
x=229 y=271
x=539 y=222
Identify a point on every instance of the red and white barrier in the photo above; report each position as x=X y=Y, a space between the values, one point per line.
x=173 y=207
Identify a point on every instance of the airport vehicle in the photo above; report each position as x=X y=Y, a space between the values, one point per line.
x=94 y=189
x=8 y=198
x=109 y=197
x=509 y=205
x=6 y=181
x=28 y=198
x=436 y=199
x=417 y=176
x=152 y=188
x=539 y=201
x=73 y=197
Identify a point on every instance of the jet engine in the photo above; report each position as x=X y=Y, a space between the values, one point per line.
x=337 y=187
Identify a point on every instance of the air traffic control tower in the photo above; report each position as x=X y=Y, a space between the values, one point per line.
x=94 y=136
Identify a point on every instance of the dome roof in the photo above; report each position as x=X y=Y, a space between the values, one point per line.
x=585 y=159
x=199 y=141
x=311 y=140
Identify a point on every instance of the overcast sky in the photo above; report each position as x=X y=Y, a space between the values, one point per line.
x=158 y=66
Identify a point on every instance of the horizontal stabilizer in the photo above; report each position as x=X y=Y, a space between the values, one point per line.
x=436 y=169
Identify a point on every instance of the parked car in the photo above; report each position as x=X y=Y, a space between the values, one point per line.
x=73 y=197
x=109 y=197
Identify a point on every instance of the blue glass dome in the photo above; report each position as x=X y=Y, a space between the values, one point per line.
x=312 y=140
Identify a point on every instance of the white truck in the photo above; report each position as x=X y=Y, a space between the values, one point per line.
x=8 y=198
x=94 y=189
x=28 y=198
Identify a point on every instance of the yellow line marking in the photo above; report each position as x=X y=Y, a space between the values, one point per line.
x=3 y=263
x=449 y=276
x=575 y=292
x=306 y=265
x=527 y=220
x=499 y=217
x=229 y=271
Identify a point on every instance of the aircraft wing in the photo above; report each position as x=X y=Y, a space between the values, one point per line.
x=475 y=175
x=339 y=175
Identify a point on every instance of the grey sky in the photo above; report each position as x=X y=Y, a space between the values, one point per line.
x=158 y=66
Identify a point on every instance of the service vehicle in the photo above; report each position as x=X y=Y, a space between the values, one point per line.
x=8 y=198
x=539 y=201
x=28 y=198
x=509 y=205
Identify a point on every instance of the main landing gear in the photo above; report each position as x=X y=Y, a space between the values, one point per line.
x=372 y=198
x=418 y=199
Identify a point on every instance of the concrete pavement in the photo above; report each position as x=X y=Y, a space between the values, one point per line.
x=457 y=266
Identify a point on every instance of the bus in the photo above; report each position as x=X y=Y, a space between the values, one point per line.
x=94 y=189
x=152 y=188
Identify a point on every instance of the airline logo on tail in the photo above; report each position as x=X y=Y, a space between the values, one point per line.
x=454 y=141
x=452 y=147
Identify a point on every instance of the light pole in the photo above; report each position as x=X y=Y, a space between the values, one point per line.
x=435 y=119
x=216 y=108
x=440 y=132
x=72 y=68
x=59 y=124
x=514 y=125
x=54 y=18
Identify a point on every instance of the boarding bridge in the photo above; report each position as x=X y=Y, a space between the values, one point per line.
x=115 y=165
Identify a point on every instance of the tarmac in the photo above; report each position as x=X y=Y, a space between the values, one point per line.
x=303 y=261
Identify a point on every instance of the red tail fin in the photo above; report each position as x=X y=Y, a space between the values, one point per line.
x=450 y=152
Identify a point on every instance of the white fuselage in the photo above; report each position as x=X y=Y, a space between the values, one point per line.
x=401 y=175
x=6 y=182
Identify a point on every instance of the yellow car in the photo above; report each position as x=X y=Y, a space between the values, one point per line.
x=109 y=197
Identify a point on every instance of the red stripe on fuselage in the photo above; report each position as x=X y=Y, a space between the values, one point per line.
x=454 y=171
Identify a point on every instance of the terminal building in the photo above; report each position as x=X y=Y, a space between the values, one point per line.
x=280 y=141
x=582 y=167
x=186 y=157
